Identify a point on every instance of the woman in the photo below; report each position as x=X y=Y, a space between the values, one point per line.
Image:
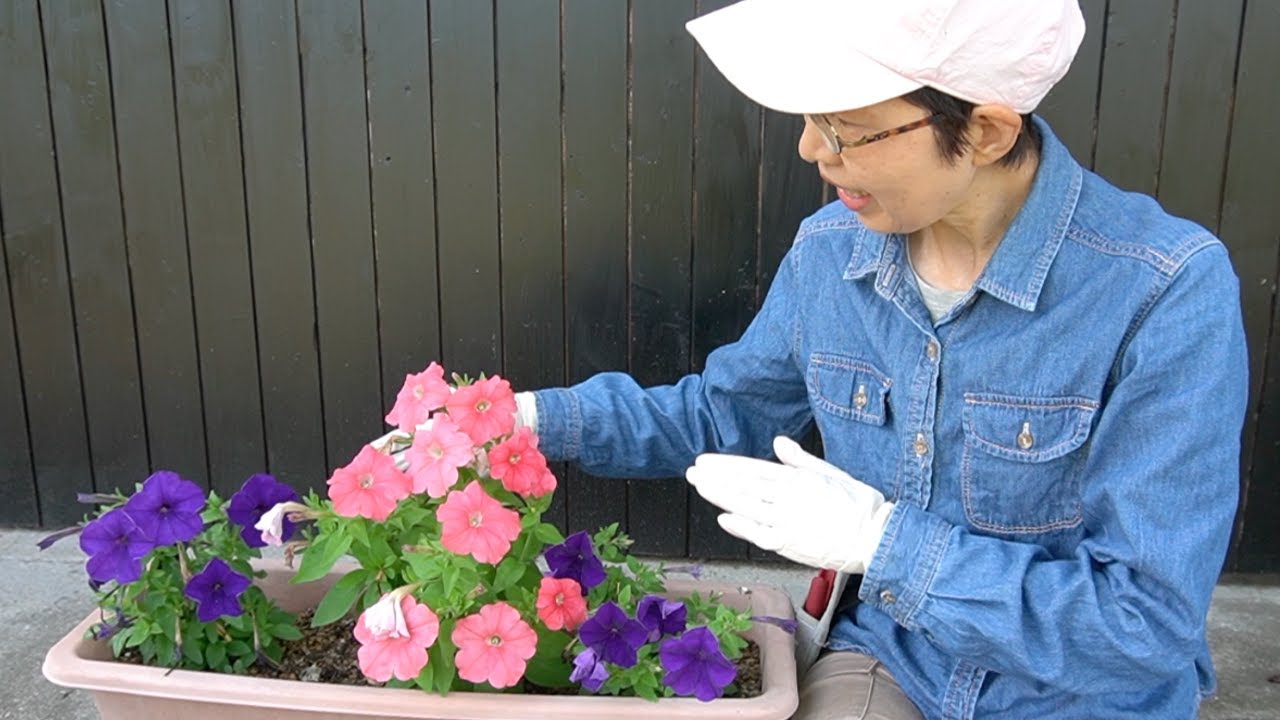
x=1029 y=384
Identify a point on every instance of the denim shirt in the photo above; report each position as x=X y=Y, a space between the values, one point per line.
x=1062 y=446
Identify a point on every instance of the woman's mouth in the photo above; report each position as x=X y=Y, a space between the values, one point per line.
x=855 y=200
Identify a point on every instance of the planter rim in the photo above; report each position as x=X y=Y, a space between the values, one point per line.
x=69 y=663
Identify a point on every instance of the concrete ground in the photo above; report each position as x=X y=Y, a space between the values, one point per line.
x=44 y=594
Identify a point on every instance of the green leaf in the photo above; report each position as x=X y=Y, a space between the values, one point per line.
x=191 y=650
x=237 y=622
x=136 y=635
x=624 y=597
x=216 y=655
x=167 y=619
x=424 y=566
x=442 y=657
x=239 y=648
x=548 y=666
x=320 y=557
x=359 y=532
x=286 y=632
x=340 y=598
x=164 y=650
x=426 y=677
x=510 y=570
x=450 y=577
x=548 y=534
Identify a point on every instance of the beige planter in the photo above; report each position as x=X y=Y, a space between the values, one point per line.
x=131 y=692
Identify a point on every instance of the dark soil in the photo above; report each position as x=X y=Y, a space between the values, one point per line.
x=328 y=655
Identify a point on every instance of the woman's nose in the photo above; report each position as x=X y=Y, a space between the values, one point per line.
x=813 y=147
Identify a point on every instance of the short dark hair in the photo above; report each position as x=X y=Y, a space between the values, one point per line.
x=949 y=130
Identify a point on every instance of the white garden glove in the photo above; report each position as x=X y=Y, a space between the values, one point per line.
x=803 y=508
x=526 y=411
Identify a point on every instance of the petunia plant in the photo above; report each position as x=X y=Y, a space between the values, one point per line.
x=459 y=582
x=171 y=567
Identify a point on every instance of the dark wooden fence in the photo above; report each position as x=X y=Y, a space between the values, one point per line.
x=230 y=228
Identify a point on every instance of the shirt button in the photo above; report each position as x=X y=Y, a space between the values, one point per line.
x=921 y=447
x=1025 y=438
x=887 y=597
x=931 y=350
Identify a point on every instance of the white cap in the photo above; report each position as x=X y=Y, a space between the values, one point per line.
x=824 y=56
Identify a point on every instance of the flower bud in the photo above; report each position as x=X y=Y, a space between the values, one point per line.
x=272 y=521
x=385 y=618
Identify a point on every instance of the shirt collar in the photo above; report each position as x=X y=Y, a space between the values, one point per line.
x=1016 y=272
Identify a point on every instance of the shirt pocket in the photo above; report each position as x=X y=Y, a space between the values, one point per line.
x=1021 y=465
x=848 y=388
x=850 y=398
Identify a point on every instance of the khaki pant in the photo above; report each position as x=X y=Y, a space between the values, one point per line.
x=850 y=686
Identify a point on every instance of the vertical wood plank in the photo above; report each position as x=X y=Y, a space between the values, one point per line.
x=84 y=134
x=661 y=237
x=1135 y=78
x=330 y=37
x=266 y=37
x=595 y=133
x=529 y=183
x=1198 y=118
x=790 y=191
x=727 y=153
x=1250 y=227
x=404 y=215
x=39 y=283
x=151 y=197
x=18 y=504
x=213 y=190
x=462 y=97
x=1072 y=106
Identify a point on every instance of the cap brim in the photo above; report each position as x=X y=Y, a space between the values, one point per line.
x=771 y=55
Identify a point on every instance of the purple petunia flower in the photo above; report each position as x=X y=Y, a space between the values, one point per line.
x=95 y=498
x=588 y=671
x=694 y=570
x=167 y=508
x=115 y=547
x=47 y=541
x=695 y=664
x=661 y=616
x=216 y=590
x=255 y=497
x=614 y=636
x=576 y=558
x=788 y=625
x=107 y=628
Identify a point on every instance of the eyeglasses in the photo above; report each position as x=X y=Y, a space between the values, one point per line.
x=836 y=144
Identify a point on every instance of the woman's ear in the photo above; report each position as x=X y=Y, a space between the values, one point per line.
x=993 y=130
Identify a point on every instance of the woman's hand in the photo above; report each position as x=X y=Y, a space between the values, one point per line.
x=803 y=508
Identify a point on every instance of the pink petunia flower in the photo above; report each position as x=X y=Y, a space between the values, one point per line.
x=420 y=395
x=517 y=462
x=560 y=603
x=493 y=645
x=484 y=410
x=472 y=523
x=544 y=484
x=369 y=486
x=435 y=456
x=386 y=654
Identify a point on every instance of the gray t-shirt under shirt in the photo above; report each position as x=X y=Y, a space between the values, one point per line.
x=938 y=301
